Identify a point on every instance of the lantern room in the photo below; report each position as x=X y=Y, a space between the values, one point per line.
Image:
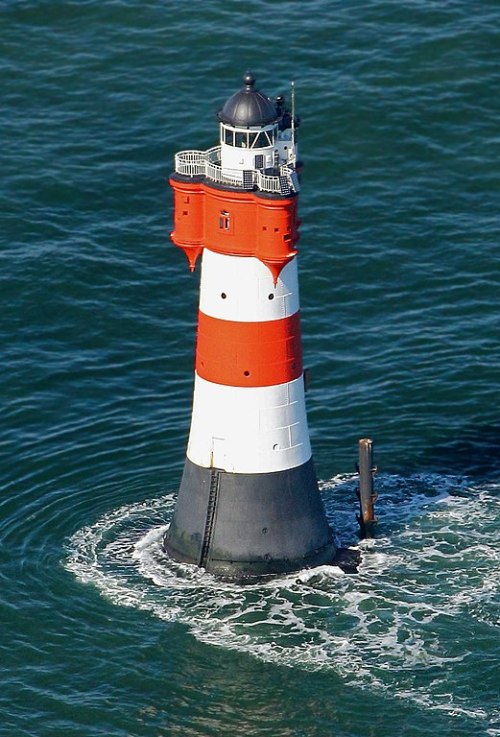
x=255 y=131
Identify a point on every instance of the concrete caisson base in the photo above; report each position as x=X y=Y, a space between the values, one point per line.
x=238 y=524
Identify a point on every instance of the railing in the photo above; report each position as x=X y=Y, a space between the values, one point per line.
x=207 y=164
x=191 y=163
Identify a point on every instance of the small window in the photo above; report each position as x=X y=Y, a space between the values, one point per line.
x=261 y=140
x=224 y=220
x=229 y=137
x=241 y=139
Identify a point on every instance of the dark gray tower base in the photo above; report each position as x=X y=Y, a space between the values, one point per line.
x=238 y=525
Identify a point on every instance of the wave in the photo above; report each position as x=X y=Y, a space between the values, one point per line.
x=422 y=604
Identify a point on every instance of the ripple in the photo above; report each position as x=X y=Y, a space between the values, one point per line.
x=422 y=605
x=398 y=255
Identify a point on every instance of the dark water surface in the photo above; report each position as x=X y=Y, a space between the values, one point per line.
x=399 y=269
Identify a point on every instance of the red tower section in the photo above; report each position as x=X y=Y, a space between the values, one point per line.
x=236 y=223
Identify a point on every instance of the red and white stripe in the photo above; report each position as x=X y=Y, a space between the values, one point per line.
x=249 y=410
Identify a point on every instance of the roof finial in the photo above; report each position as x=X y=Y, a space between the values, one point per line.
x=249 y=80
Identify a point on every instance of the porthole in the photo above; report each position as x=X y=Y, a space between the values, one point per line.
x=270 y=296
x=223 y=295
x=246 y=373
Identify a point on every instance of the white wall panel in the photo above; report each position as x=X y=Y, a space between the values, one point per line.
x=249 y=430
x=239 y=288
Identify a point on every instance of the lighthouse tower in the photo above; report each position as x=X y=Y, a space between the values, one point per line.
x=248 y=502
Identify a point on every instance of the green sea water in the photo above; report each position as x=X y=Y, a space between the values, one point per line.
x=100 y=634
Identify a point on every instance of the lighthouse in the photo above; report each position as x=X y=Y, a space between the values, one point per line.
x=248 y=502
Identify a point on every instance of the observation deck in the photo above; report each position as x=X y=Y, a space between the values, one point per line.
x=281 y=180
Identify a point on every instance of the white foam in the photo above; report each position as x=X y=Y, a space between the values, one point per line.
x=432 y=572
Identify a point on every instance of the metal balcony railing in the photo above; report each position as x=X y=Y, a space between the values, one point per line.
x=208 y=164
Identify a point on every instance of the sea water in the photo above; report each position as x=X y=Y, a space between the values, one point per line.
x=101 y=634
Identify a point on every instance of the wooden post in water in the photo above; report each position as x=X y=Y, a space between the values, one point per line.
x=367 y=497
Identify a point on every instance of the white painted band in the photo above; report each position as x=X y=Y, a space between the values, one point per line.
x=249 y=430
x=241 y=289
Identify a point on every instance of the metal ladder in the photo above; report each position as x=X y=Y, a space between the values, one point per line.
x=213 y=494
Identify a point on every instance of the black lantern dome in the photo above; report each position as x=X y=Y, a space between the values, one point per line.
x=248 y=107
